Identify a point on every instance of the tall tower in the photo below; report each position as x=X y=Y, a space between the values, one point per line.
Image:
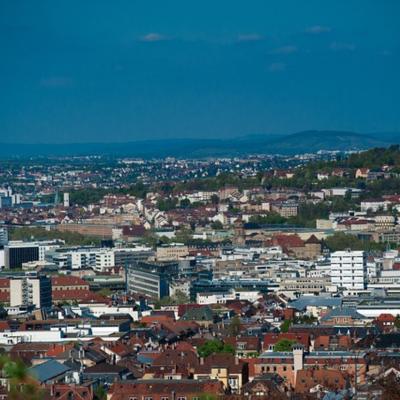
x=66 y=200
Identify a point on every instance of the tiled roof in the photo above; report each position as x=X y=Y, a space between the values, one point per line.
x=342 y=312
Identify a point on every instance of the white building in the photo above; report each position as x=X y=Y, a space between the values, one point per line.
x=223 y=297
x=66 y=200
x=349 y=269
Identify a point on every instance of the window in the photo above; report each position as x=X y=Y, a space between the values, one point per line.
x=181 y=398
x=148 y=398
x=164 y=398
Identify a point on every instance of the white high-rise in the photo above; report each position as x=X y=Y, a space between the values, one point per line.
x=66 y=200
x=349 y=269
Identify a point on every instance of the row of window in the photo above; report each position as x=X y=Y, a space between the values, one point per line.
x=274 y=368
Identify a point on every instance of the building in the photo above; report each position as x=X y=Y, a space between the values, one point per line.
x=160 y=389
x=289 y=365
x=151 y=279
x=172 y=252
x=349 y=269
x=98 y=258
x=3 y=236
x=66 y=200
x=30 y=291
x=17 y=252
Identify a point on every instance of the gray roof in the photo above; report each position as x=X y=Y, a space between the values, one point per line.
x=198 y=314
x=342 y=312
x=48 y=370
x=317 y=301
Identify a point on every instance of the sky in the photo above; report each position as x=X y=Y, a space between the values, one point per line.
x=125 y=70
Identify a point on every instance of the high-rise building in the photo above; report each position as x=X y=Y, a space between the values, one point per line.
x=349 y=269
x=28 y=290
x=151 y=279
x=66 y=200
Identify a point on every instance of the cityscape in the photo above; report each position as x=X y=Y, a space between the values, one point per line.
x=149 y=252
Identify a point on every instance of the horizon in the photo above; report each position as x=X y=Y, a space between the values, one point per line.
x=204 y=138
x=77 y=72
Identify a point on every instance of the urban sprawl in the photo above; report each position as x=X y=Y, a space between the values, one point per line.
x=257 y=277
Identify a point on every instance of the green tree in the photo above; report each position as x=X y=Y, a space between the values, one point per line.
x=343 y=241
x=284 y=345
x=217 y=225
x=397 y=322
x=184 y=203
x=22 y=386
x=214 y=347
x=271 y=218
x=100 y=393
x=285 y=325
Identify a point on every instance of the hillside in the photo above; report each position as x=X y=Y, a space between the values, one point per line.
x=301 y=142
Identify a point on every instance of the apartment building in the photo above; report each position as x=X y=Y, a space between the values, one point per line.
x=349 y=269
x=30 y=291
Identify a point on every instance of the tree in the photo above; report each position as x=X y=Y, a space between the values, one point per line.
x=217 y=225
x=286 y=325
x=215 y=347
x=100 y=393
x=272 y=218
x=284 y=345
x=397 y=322
x=185 y=203
x=235 y=326
x=22 y=386
x=343 y=241
x=179 y=298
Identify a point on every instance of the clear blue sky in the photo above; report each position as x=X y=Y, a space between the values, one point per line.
x=101 y=70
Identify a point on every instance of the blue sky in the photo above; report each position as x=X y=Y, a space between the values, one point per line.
x=81 y=71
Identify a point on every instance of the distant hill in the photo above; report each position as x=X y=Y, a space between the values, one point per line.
x=312 y=141
x=301 y=142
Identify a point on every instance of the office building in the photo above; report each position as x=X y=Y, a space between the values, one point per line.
x=16 y=253
x=151 y=279
x=349 y=269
